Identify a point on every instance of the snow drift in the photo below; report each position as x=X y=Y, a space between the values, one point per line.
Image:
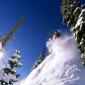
x=61 y=67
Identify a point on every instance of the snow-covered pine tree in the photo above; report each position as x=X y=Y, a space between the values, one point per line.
x=74 y=16
x=9 y=72
x=39 y=60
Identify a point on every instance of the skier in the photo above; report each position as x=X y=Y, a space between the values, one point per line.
x=56 y=34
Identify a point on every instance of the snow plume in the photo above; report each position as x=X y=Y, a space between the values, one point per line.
x=61 y=67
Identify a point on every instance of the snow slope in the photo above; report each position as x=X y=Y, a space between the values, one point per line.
x=61 y=67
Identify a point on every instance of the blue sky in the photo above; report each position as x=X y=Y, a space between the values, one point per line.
x=41 y=16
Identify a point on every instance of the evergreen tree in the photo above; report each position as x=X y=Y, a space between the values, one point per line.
x=40 y=59
x=9 y=74
x=67 y=8
x=74 y=16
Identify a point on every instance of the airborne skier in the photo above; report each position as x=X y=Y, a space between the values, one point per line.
x=56 y=34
